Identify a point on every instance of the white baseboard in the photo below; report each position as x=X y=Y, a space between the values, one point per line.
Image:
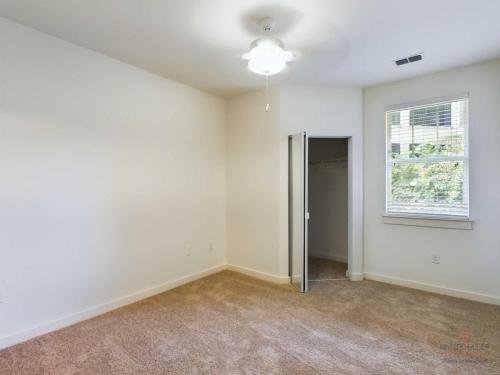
x=336 y=258
x=24 y=335
x=355 y=276
x=296 y=278
x=479 y=297
x=259 y=275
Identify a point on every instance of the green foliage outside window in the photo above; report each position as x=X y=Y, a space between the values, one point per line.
x=428 y=182
x=433 y=181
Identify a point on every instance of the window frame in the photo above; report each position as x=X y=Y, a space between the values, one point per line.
x=406 y=218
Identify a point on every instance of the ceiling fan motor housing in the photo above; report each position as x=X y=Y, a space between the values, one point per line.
x=267 y=24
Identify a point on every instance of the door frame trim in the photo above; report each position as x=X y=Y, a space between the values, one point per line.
x=350 y=210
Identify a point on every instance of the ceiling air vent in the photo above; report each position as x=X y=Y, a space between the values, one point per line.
x=409 y=59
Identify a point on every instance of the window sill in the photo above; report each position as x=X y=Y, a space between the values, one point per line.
x=431 y=222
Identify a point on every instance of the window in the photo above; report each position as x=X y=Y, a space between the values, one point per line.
x=436 y=115
x=427 y=160
x=395 y=119
x=396 y=149
x=414 y=149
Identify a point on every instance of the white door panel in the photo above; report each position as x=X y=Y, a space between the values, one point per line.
x=298 y=210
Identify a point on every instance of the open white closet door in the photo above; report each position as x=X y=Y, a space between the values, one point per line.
x=298 y=210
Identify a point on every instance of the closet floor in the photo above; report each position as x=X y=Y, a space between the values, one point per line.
x=321 y=269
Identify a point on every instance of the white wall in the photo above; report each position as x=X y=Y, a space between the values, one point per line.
x=253 y=182
x=328 y=112
x=470 y=260
x=107 y=172
x=258 y=168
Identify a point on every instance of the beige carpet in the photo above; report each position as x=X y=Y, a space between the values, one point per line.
x=232 y=324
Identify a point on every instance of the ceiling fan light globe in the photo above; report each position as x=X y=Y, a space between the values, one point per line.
x=267 y=57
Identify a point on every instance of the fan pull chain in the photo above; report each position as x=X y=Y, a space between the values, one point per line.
x=267 y=93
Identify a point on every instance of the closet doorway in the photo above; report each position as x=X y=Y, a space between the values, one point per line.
x=319 y=175
x=328 y=209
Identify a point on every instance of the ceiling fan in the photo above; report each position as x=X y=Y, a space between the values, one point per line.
x=267 y=55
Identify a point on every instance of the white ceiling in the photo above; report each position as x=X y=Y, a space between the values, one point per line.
x=340 y=42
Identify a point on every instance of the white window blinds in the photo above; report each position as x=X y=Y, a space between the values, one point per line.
x=427 y=159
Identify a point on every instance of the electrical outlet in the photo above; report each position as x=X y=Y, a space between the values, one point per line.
x=435 y=258
x=210 y=247
x=1 y=294
x=187 y=250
